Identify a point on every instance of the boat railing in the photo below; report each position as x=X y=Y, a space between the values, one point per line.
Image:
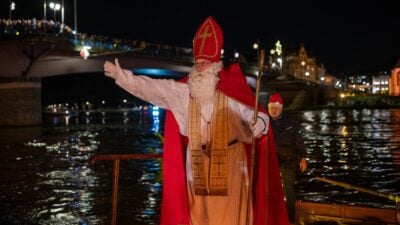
x=116 y=161
x=392 y=197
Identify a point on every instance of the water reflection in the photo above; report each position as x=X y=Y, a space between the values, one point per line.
x=358 y=147
x=45 y=178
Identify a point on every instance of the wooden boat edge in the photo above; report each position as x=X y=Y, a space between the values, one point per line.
x=311 y=212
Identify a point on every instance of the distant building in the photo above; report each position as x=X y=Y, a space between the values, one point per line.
x=376 y=83
x=394 y=82
x=359 y=83
x=380 y=84
x=303 y=67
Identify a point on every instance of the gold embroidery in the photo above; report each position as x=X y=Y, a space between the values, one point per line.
x=216 y=182
x=208 y=27
x=204 y=36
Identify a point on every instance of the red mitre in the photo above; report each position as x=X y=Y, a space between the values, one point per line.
x=208 y=40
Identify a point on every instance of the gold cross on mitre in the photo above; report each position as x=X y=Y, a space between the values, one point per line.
x=208 y=41
x=204 y=36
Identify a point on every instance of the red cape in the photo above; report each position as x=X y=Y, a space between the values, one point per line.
x=268 y=197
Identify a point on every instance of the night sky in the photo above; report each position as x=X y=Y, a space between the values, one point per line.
x=346 y=36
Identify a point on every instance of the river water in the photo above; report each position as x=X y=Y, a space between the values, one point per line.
x=45 y=179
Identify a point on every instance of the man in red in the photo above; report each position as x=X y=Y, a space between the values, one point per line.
x=290 y=148
x=209 y=128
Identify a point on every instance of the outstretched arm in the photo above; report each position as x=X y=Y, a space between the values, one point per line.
x=161 y=92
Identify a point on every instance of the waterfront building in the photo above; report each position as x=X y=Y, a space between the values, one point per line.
x=373 y=83
x=394 y=82
x=380 y=84
x=303 y=67
x=359 y=83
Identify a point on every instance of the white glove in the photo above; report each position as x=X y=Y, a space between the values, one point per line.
x=261 y=126
x=115 y=71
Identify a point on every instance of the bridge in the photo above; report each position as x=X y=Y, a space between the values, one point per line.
x=43 y=48
x=31 y=50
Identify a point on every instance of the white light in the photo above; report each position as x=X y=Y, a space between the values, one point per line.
x=255 y=45
x=278 y=47
x=279 y=60
x=236 y=55
x=55 y=6
x=12 y=6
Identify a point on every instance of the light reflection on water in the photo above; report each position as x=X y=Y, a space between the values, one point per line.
x=45 y=178
x=358 y=147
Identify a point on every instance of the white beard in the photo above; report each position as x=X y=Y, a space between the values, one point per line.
x=202 y=85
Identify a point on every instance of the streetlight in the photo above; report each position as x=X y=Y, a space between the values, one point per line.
x=44 y=9
x=75 y=17
x=236 y=55
x=55 y=7
x=11 y=8
x=255 y=45
x=62 y=11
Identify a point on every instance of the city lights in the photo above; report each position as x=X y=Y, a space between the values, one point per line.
x=55 y=7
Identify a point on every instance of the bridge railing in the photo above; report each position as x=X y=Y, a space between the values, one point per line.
x=97 y=43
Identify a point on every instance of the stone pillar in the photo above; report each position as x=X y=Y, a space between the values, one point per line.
x=20 y=104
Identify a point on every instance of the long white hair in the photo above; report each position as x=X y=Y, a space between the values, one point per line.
x=202 y=84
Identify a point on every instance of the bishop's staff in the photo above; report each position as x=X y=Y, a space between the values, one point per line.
x=261 y=57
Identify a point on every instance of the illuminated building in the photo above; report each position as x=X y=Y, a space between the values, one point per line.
x=380 y=84
x=303 y=67
x=394 y=82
